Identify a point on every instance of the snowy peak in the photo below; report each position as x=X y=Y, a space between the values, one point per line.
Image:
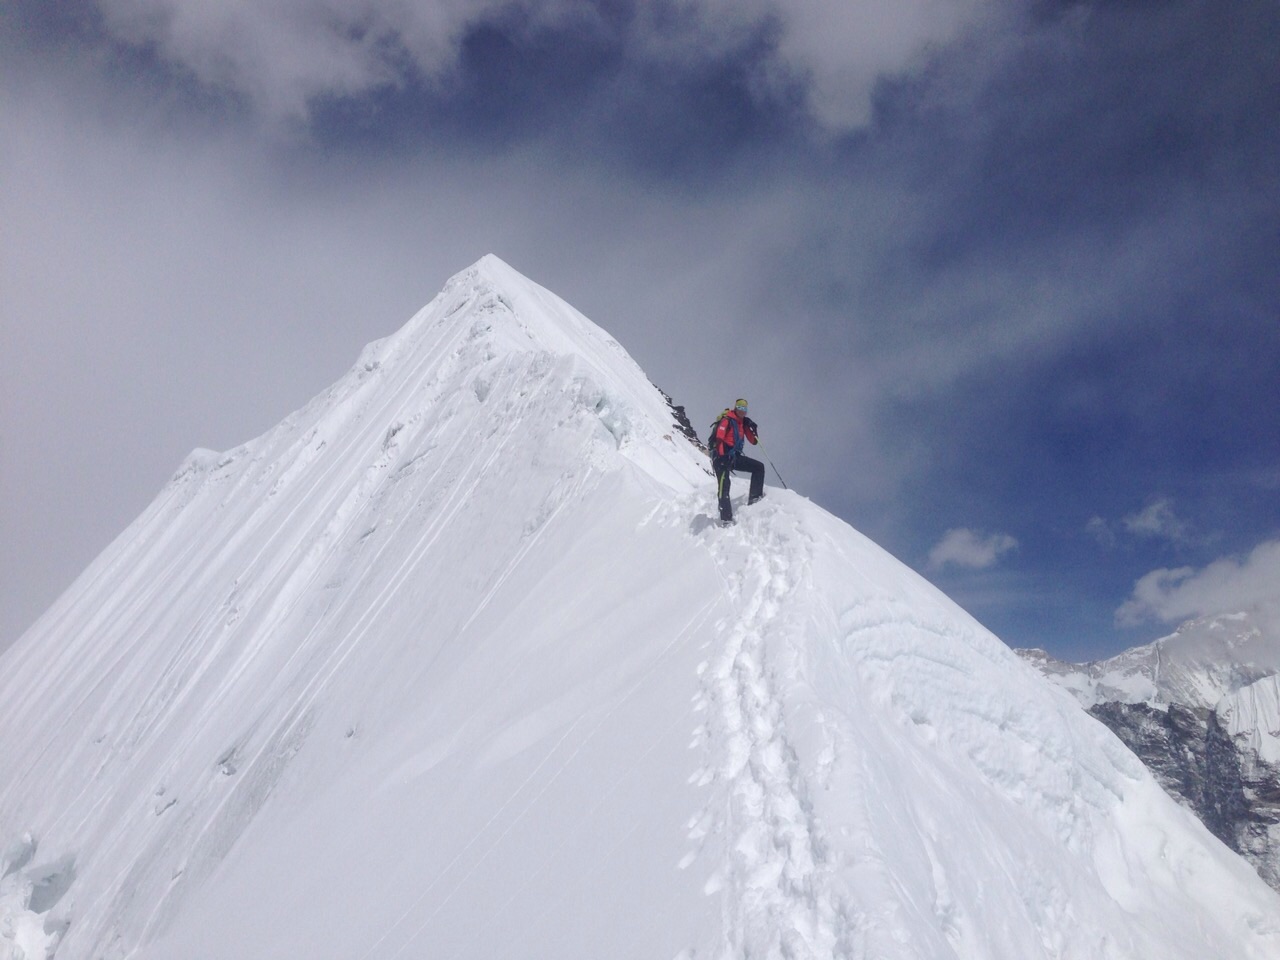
x=454 y=662
x=487 y=320
x=481 y=348
x=1197 y=665
x=547 y=321
x=514 y=315
x=269 y=589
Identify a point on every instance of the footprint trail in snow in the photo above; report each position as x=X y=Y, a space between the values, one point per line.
x=776 y=882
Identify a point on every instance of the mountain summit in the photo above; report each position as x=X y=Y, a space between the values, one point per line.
x=453 y=663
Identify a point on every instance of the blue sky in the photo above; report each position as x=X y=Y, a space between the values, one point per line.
x=1000 y=278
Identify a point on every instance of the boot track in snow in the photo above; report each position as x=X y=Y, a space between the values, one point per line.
x=775 y=883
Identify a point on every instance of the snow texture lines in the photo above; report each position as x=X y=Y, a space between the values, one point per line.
x=779 y=901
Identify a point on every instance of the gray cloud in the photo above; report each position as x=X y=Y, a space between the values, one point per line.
x=970 y=549
x=1159 y=520
x=285 y=55
x=1156 y=521
x=844 y=48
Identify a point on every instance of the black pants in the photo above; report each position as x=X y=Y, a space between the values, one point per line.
x=724 y=466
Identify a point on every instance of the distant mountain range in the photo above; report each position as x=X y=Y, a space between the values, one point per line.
x=1201 y=707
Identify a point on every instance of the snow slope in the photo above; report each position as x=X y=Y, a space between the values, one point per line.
x=453 y=663
x=1253 y=712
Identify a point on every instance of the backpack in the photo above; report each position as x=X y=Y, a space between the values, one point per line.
x=725 y=433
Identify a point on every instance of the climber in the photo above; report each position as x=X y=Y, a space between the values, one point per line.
x=727 y=436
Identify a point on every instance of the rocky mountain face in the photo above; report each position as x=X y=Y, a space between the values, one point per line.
x=1201 y=708
x=680 y=420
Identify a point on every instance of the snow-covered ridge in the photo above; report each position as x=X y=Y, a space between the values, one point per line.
x=1197 y=665
x=229 y=604
x=483 y=318
x=454 y=663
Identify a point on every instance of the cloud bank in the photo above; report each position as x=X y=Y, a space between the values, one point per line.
x=1227 y=585
x=284 y=55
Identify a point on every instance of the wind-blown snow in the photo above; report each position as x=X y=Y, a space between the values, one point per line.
x=453 y=663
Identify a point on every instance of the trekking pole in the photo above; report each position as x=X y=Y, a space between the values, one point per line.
x=775 y=469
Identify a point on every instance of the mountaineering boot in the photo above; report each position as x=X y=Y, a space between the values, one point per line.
x=726 y=511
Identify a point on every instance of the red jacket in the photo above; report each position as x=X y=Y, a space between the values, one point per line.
x=729 y=432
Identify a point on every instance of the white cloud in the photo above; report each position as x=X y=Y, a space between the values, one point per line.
x=1228 y=585
x=1158 y=520
x=282 y=54
x=962 y=547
